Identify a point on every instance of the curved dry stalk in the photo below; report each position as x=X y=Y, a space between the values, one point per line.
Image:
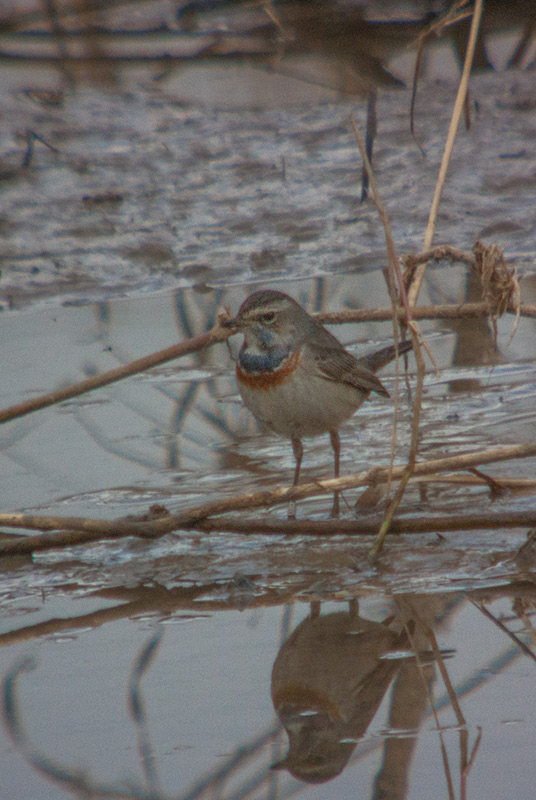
x=438 y=253
x=82 y=530
x=393 y=270
x=417 y=339
x=392 y=258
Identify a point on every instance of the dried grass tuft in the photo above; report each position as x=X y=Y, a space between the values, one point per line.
x=500 y=287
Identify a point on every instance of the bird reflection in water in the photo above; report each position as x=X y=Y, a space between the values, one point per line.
x=328 y=680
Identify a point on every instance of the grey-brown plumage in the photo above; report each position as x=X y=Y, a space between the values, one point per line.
x=296 y=377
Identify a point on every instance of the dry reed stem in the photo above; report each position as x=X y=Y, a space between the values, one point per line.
x=394 y=269
x=438 y=312
x=434 y=30
x=82 y=529
x=418 y=395
x=456 y=114
x=418 y=277
x=16 y=545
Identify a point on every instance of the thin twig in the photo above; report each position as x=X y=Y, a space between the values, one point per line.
x=368 y=527
x=217 y=334
x=442 y=311
x=456 y=115
x=445 y=311
x=393 y=262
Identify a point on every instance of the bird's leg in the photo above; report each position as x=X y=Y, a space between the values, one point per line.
x=297 y=448
x=336 y=445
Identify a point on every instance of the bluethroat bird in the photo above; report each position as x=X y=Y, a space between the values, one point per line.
x=296 y=377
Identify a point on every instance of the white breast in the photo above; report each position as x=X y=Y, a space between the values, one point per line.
x=303 y=405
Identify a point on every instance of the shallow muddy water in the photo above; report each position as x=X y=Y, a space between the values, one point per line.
x=162 y=202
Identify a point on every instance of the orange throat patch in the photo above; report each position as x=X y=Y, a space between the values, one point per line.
x=267 y=380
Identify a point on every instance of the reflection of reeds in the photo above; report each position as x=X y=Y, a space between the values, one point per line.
x=204 y=598
x=80 y=782
x=238 y=766
x=349 y=53
x=263 y=29
x=137 y=710
x=352 y=671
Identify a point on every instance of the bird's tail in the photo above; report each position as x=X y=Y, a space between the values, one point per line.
x=377 y=360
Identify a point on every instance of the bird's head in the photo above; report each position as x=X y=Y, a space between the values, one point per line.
x=269 y=318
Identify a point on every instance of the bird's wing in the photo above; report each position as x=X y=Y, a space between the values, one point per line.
x=336 y=364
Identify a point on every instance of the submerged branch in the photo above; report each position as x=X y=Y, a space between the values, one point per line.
x=368 y=527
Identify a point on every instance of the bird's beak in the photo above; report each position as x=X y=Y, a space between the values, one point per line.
x=232 y=322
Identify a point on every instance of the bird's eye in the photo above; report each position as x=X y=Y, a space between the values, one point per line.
x=267 y=318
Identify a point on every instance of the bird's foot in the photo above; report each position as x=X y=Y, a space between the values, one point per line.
x=334 y=514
